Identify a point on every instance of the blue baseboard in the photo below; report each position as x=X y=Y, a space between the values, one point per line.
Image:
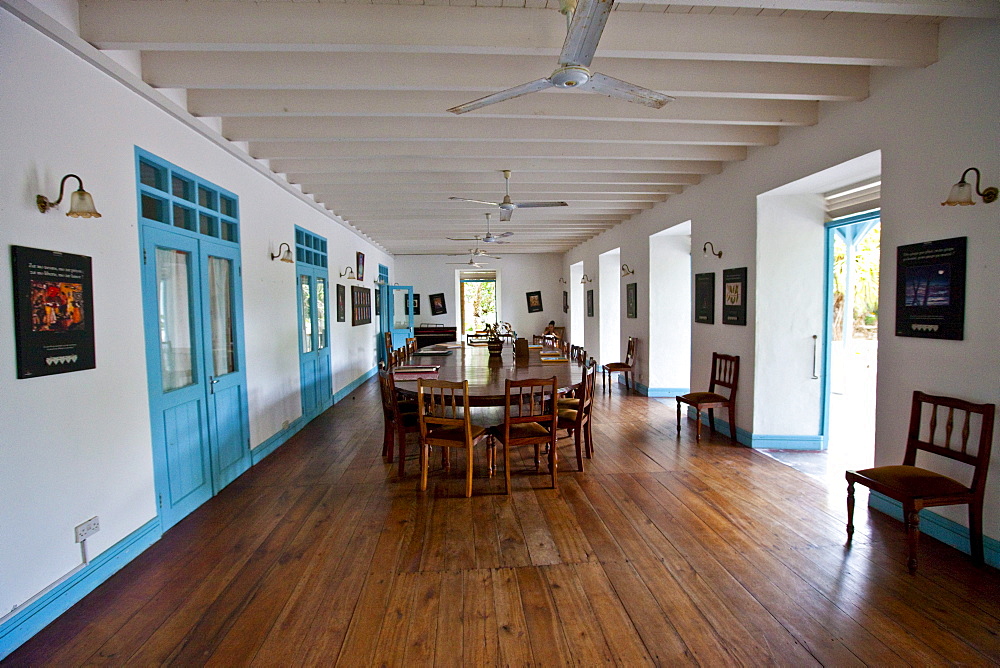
x=661 y=391
x=339 y=396
x=790 y=442
x=934 y=525
x=39 y=613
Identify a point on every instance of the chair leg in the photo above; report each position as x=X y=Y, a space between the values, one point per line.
x=912 y=516
x=850 y=511
x=711 y=421
x=468 y=472
x=388 y=441
x=538 y=450
x=577 y=441
x=554 y=465
x=589 y=436
x=697 y=425
x=506 y=469
x=976 y=533
x=678 y=417
x=424 y=456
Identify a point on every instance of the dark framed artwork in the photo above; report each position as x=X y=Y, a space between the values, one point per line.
x=53 y=312
x=590 y=303
x=437 y=304
x=534 y=301
x=361 y=305
x=416 y=303
x=930 y=289
x=704 y=298
x=378 y=302
x=565 y=302
x=631 y=295
x=361 y=266
x=341 y=303
x=734 y=296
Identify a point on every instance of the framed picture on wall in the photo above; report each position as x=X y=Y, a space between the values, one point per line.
x=565 y=302
x=437 y=304
x=378 y=302
x=534 y=301
x=361 y=305
x=416 y=304
x=631 y=297
x=704 y=298
x=53 y=312
x=734 y=296
x=361 y=266
x=590 y=303
x=930 y=289
x=341 y=303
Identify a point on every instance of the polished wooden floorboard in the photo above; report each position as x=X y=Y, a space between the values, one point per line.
x=664 y=552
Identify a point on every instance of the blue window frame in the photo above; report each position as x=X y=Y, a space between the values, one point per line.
x=176 y=198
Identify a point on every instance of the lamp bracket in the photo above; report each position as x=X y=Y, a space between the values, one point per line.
x=43 y=202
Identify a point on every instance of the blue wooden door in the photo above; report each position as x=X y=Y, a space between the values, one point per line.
x=314 y=343
x=196 y=370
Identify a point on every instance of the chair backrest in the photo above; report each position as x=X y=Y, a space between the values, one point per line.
x=387 y=388
x=581 y=356
x=443 y=403
x=530 y=400
x=945 y=426
x=630 y=351
x=725 y=373
x=587 y=384
x=387 y=344
x=411 y=345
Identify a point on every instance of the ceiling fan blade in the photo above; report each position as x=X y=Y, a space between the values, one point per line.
x=509 y=94
x=537 y=205
x=585 y=32
x=504 y=234
x=477 y=201
x=463 y=239
x=623 y=90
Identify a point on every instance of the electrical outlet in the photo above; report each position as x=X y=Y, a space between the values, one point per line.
x=87 y=529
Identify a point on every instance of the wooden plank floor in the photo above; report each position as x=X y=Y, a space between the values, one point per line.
x=663 y=553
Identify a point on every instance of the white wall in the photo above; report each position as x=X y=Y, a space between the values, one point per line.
x=79 y=444
x=517 y=274
x=930 y=124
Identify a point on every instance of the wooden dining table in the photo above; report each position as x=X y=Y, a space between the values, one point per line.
x=486 y=374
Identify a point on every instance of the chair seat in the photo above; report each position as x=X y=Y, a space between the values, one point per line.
x=524 y=430
x=406 y=405
x=409 y=419
x=567 y=403
x=618 y=366
x=912 y=481
x=453 y=433
x=567 y=415
x=703 y=398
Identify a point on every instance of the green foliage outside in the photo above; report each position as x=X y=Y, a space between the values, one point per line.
x=865 y=283
x=480 y=305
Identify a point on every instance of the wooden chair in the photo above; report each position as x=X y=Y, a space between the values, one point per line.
x=445 y=421
x=917 y=487
x=725 y=374
x=625 y=368
x=581 y=356
x=529 y=418
x=387 y=348
x=400 y=419
x=411 y=346
x=576 y=419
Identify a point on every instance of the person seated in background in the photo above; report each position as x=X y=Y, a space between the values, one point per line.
x=550 y=333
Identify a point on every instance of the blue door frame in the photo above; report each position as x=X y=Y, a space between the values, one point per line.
x=850 y=229
x=312 y=285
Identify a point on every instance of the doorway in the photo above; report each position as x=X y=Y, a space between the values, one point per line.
x=609 y=284
x=193 y=321
x=479 y=300
x=314 y=329
x=853 y=260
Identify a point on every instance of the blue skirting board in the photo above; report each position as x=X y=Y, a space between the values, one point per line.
x=934 y=525
x=39 y=613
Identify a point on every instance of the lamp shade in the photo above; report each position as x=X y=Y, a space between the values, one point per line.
x=81 y=205
x=961 y=193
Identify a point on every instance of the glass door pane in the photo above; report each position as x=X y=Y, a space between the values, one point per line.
x=173 y=287
x=220 y=315
x=320 y=313
x=305 y=297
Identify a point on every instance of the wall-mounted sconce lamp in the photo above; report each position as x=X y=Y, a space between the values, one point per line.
x=348 y=272
x=586 y=279
x=81 y=204
x=284 y=256
x=961 y=192
x=562 y=280
x=627 y=270
x=704 y=250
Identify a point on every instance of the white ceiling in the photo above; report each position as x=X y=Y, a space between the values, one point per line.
x=347 y=100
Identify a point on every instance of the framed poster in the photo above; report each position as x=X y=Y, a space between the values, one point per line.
x=565 y=302
x=930 y=289
x=534 y=301
x=416 y=304
x=361 y=305
x=590 y=303
x=378 y=302
x=361 y=266
x=437 y=304
x=53 y=312
x=734 y=296
x=704 y=298
x=631 y=307
x=341 y=303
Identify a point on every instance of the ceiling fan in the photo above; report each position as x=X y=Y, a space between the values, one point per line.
x=507 y=206
x=582 y=36
x=478 y=252
x=471 y=263
x=490 y=238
